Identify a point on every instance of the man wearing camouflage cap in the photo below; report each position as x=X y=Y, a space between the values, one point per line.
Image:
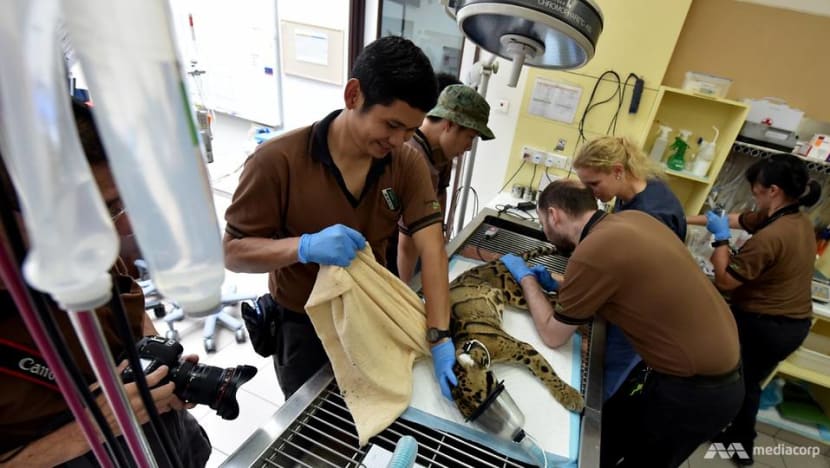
x=447 y=132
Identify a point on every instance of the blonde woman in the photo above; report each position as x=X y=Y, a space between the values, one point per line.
x=614 y=167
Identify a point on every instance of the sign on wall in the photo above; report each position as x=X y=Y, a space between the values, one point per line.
x=313 y=52
x=554 y=101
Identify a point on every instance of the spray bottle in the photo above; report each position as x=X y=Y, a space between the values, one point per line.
x=704 y=157
x=660 y=144
x=677 y=160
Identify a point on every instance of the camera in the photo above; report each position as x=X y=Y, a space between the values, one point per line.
x=195 y=383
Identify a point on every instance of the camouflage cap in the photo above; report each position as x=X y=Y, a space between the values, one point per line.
x=463 y=106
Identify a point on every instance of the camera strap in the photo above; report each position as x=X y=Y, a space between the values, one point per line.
x=25 y=363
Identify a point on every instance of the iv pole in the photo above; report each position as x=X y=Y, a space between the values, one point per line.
x=488 y=68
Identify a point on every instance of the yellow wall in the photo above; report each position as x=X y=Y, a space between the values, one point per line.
x=765 y=51
x=639 y=37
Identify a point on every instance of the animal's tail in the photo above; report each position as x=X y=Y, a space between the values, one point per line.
x=541 y=251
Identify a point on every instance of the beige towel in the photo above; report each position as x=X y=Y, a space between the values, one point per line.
x=373 y=327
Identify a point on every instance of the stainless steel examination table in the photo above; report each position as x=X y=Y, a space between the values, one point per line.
x=314 y=428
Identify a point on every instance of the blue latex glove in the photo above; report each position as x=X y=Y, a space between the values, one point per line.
x=545 y=279
x=718 y=224
x=518 y=268
x=334 y=245
x=443 y=358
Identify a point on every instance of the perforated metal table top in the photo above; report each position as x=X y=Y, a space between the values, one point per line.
x=314 y=428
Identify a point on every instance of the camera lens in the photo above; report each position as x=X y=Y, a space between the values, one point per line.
x=212 y=386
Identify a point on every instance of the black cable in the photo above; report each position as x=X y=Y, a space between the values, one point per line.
x=475 y=204
x=513 y=176
x=511 y=210
x=18 y=249
x=532 y=177
x=612 y=129
x=475 y=198
x=478 y=252
x=592 y=105
x=547 y=174
x=156 y=429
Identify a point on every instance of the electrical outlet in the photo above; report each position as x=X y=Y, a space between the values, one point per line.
x=530 y=155
x=559 y=161
x=527 y=154
x=537 y=156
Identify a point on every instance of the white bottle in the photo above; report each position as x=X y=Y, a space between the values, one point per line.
x=705 y=155
x=660 y=144
x=72 y=242
x=147 y=126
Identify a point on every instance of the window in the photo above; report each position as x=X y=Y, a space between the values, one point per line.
x=425 y=23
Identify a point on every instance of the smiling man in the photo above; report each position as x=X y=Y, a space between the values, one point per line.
x=316 y=195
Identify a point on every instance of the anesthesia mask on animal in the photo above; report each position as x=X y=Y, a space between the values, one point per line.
x=498 y=412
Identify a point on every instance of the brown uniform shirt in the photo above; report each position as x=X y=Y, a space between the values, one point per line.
x=630 y=270
x=440 y=166
x=290 y=186
x=30 y=410
x=775 y=265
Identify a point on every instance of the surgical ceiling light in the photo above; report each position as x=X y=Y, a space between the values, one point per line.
x=557 y=34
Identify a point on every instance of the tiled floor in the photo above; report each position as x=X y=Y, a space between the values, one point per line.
x=259 y=398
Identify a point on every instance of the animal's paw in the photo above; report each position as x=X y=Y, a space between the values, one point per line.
x=465 y=360
x=569 y=398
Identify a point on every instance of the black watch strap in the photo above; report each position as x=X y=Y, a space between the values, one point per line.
x=719 y=243
x=436 y=334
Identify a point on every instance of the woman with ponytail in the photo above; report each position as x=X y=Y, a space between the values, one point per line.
x=769 y=278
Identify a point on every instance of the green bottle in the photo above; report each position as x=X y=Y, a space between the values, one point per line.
x=677 y=160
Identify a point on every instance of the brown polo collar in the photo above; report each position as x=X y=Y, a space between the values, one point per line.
x=589 y=226
x=319 y=151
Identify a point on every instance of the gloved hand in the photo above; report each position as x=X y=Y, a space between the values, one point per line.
x=718 y=224
x=443 y=358
x=334 y=245
x=545 y=279
x=518 y=268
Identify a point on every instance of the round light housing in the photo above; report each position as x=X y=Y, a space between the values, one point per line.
x=558 y=34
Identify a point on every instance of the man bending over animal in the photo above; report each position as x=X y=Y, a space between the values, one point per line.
x=629 y=269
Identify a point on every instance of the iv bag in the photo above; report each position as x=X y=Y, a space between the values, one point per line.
x=143 y=111
x=72 y=242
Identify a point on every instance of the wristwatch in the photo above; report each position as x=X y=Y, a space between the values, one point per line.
x=719 y=243
x=435 y=334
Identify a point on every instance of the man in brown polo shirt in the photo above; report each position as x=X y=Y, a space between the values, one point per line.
x=629 y=269
x=447 y=132
x=316 y=195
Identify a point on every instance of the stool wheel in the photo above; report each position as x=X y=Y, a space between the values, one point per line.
x=159 y=311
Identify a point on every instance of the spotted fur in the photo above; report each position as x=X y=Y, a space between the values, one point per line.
x=477 y=298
